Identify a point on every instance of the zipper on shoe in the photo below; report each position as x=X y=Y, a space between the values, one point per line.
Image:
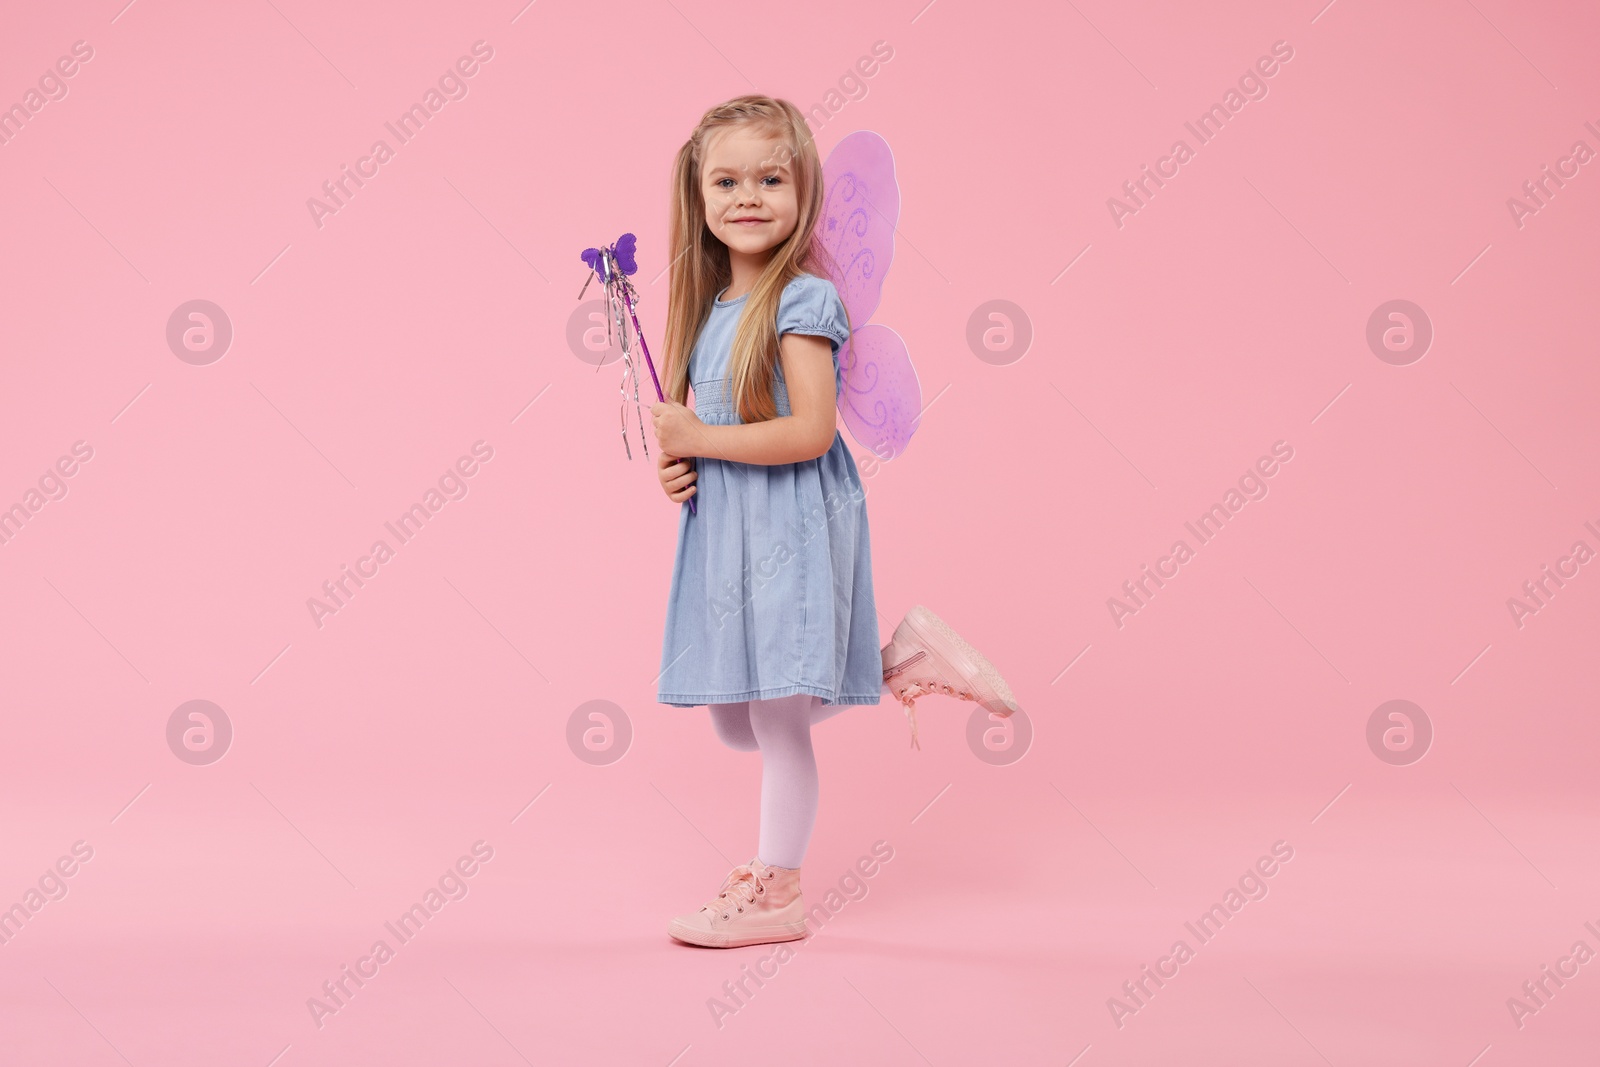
x=903 y=664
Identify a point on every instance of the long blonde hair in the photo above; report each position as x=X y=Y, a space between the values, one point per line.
x=700 y=269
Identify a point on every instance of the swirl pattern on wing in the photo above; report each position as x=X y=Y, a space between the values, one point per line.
x=881 y=398
x=861 y=205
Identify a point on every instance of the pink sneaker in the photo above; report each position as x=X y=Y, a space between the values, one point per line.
x=756 y=905
x=926 y=656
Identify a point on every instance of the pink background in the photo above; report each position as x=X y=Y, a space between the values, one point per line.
x=432 y=310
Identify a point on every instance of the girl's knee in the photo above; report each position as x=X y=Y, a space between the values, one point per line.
x=782 y=719
x=739 y=741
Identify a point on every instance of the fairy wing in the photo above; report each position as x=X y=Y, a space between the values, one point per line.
x=881 y=398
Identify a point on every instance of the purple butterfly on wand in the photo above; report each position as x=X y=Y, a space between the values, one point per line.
x=613 y=264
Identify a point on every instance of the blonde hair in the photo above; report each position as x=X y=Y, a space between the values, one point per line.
x=699 y=267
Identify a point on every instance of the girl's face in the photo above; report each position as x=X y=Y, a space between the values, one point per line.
x=747 y=179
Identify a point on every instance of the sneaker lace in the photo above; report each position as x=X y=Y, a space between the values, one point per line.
x=908 y=697
x=742 y=887
x=917 y=687
x=909 y=693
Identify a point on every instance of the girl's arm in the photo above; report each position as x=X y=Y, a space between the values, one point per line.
x=804 y=434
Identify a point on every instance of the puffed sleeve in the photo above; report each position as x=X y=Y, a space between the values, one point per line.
x=811 y=305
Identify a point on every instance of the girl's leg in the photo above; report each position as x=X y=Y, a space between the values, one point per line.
x=732 y=724
x=782 y=727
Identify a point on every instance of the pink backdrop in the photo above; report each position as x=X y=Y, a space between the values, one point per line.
x=1143 y=361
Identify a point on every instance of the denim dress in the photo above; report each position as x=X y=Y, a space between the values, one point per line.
x=772 y=582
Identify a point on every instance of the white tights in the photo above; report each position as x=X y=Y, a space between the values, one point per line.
x=781 y=729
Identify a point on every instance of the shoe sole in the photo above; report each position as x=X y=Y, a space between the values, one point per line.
x=765 y=935
x=936 y=635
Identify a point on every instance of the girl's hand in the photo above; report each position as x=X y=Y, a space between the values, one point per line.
x=679 y=432
x=677 y=477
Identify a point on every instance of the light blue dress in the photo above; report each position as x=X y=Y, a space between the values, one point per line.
x=772 y=583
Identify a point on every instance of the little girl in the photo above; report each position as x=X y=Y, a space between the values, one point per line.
x=771 y=620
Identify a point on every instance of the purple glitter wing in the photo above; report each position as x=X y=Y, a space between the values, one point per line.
x=881 y=398
x=625 y=246
x=591 y=256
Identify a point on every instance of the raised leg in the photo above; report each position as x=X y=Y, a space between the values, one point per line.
x=926 y=656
